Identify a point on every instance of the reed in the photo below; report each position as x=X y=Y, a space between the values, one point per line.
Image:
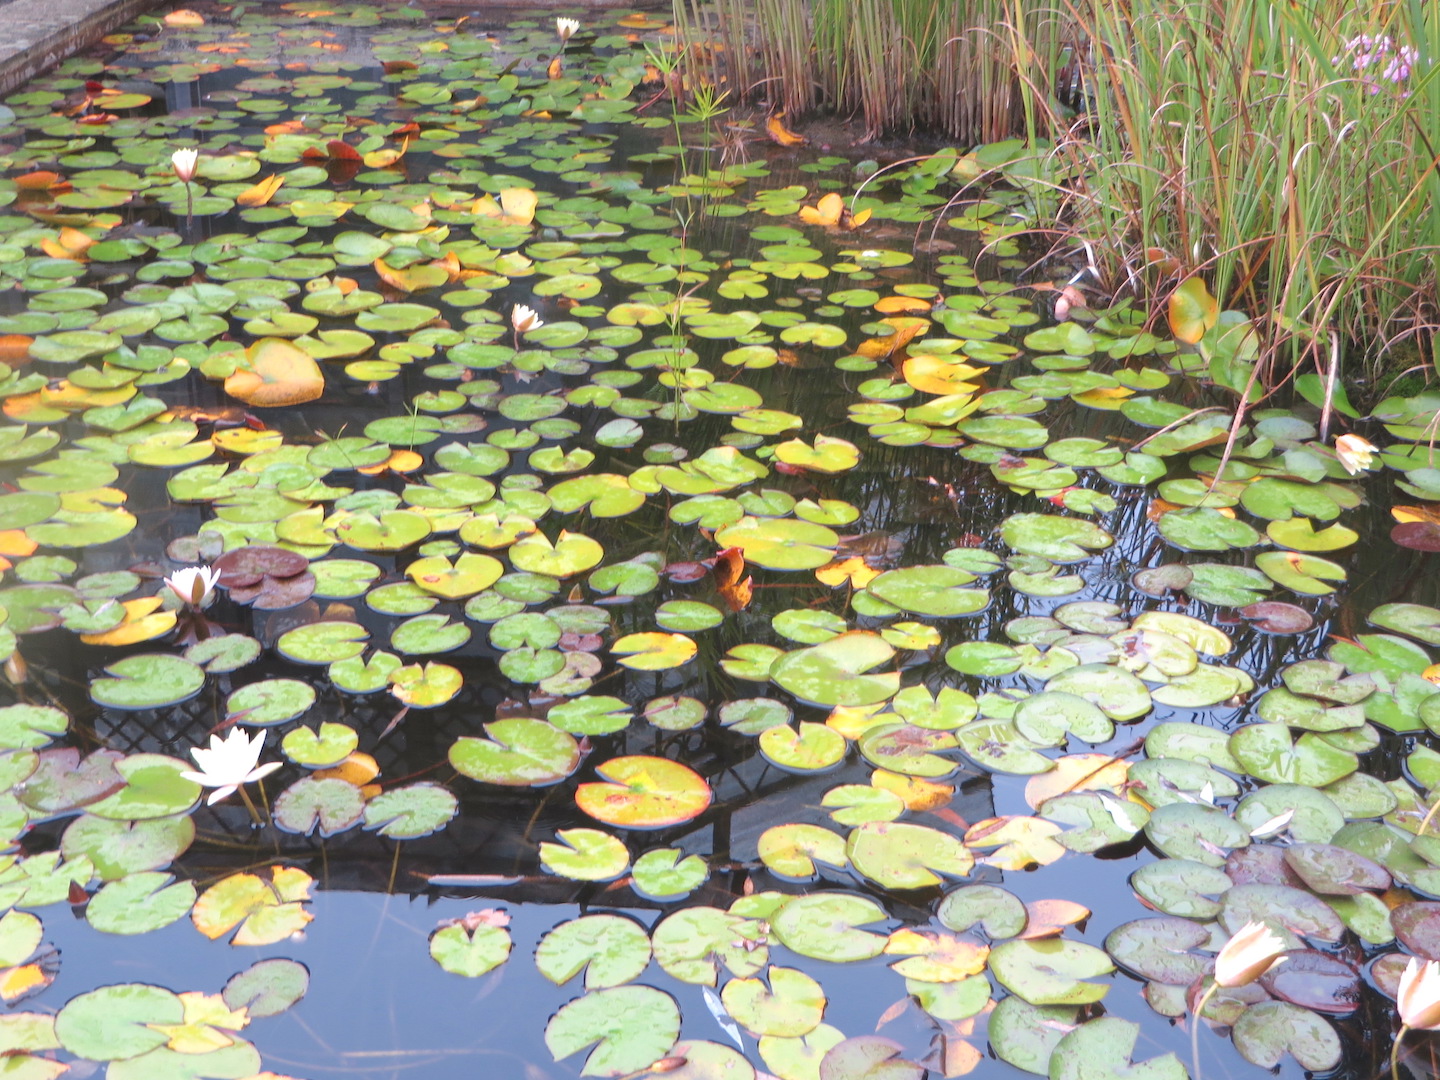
x=1268 y=149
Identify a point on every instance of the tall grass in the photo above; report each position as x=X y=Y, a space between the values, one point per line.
x=1235 y=139
x=895 y=64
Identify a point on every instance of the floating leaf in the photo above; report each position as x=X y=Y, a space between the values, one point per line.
x=470 y=951
x=634 y=1026
x=1051 y=971
x=610 y=949
x=276 y=373
x=644 y=792
x=265 y=912
x=1101 y=1048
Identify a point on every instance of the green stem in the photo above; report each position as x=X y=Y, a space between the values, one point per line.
x=1195 y=1030
x=1395 y=1053
x=1429 y=816
x=394 y=869
x=254 y=814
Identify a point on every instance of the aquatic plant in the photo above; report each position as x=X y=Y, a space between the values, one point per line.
x=784 y=622
x=1213 y=144
x=229 y=764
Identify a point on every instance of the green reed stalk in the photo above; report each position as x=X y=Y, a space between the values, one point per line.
x=1235 y=138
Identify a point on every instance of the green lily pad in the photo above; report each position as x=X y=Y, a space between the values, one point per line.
x=329 y=804
x=268 y=987
x=780 y=543
x=897 y=855
x=1264 y=1033
x=1026 y=1035
x=1206 y=529
x=471 y=952
x=935 y=591
x=690 y=944
x=1001 y=914
x=827 y=926
x=1059 y=539
x=1267 y=752
x=148 y=681
x=139 y=903
x=792 y=850
x=1051 y=971
x=29 y=726
x=1101 y=1049
x=835 y=672
x=811 y=748
x=312 y=749
x=112 y=1023
x=585 y=855
x=610 y=949
x=270 y=702
x=153 y=788
x=118 y=848
x=1195 y=831
x=668 y=874
x=791 y=1005
x=323 y=642
x=1181 y=887
x=634 y=1026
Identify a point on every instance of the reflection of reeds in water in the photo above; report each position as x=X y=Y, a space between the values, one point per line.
x=964 y=68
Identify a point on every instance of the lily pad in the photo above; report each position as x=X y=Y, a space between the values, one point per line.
x=634 y=1026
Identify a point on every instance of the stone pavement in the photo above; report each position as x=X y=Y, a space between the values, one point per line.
x=35 y=35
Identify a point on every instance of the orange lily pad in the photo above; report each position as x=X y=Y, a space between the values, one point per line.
x=142 y=623
x=276 y=372
x=265 y=912
x=643 y=792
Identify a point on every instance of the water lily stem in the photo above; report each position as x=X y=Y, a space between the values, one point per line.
x=1429 y=816
x=1195 y=1030
x=189 y=205
x=1395 y=1052
x=254 y=813
x=394 y=867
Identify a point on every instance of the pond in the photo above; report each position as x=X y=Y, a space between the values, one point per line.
x=656 y=619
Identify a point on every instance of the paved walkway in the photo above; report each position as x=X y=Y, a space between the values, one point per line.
x=35 y=35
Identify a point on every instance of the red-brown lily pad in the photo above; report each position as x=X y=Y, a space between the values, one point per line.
x=268 y=578
x=63 y=782
x=1261 y=864
x=1417 y=535
x=1314 y=980
x=1276 y=617
x=1336 y=871
x=1417 y=927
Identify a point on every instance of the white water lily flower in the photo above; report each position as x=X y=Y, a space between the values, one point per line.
x=194 y=584
x=524 y=319
x=1419 y=995
x=228 y=763
x=184 y=162
x=1249 y=954
x=1355 y=452
x=566 y=28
